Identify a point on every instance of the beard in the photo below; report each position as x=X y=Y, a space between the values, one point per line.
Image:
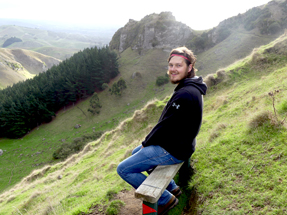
x=178 y=80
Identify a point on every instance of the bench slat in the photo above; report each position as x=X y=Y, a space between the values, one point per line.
x=155 y=184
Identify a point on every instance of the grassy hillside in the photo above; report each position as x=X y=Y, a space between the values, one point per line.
x=36 y=149
x=18 y=65
x=238 y=45
x=239 y=162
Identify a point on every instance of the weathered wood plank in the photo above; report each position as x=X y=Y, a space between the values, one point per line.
x=155 y=184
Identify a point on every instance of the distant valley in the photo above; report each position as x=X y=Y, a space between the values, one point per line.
x=38 y=48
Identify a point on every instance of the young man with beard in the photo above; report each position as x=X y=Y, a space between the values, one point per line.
x=172 y=140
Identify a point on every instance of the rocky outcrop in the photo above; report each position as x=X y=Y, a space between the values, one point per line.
x=153 y=31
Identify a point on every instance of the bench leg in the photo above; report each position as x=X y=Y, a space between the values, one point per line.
x=184 y=173
x=149 y=208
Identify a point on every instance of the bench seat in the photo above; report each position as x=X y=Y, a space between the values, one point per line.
x=155 y=184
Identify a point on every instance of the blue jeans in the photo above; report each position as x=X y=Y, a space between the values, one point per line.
x=146 y=159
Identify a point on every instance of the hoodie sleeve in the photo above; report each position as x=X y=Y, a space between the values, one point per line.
x=179 y=124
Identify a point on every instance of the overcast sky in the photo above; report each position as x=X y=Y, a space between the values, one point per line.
x=197 y=14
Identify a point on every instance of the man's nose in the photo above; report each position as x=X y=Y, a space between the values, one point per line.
x=172 y=68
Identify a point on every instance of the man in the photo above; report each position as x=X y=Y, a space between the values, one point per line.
x=172 y=140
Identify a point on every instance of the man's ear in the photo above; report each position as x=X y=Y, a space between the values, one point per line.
x=189 y=67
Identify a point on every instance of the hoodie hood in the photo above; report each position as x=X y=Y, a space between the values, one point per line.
x=196 y=81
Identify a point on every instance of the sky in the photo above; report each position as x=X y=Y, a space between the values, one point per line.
x=197 y=14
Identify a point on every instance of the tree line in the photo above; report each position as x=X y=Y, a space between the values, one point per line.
x=10 y=41
x=27 y=104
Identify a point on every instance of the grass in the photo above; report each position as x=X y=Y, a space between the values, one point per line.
x=85 y=180
x=238 y=45
x=35 y=150
x=239 y=165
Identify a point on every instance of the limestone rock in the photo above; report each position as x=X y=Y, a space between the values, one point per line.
x=153 y=31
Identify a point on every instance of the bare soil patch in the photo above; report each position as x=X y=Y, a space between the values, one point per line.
x=132 y=206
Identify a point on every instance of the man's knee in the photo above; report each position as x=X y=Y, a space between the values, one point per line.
x=120 y=169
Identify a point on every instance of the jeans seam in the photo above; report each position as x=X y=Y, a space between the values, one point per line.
x=147 y=160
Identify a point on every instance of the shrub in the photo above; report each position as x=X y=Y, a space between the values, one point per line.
x=111 y=194
x=136 y=75
x=216 y=131
x=114 y=207
x=210 y=80
x=274 y=28
x=161 y=80
x=260 y=119
x=105 y=86
x=221 y=74
x=77 y=145
x=118 y=87
x=95 y=104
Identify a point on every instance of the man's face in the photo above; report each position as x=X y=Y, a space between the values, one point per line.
x=178 y=69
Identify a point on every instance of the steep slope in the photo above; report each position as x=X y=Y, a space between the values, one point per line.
x=18 y=65
x=239 y=163
x=83 y=180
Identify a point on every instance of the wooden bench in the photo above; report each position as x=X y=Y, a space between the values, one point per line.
x=154 y=185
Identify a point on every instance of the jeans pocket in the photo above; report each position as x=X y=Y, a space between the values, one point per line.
x=173 y=159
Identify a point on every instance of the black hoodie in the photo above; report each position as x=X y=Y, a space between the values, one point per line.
x=180 y=120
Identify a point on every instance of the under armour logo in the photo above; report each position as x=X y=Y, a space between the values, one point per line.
x=175 y=105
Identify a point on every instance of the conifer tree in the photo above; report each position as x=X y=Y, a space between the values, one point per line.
x=95 y=104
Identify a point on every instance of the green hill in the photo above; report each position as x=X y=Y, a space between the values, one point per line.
x=239 y=163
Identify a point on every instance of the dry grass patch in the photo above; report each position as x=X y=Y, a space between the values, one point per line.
x=11 y=198
x=30 y=201
x=217 y=131
x=127 y=153
x=36 y=174
x=112 y=166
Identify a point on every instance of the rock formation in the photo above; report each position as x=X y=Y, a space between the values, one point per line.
x=153 y=31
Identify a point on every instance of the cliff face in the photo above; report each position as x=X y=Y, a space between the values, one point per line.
x=153 y=31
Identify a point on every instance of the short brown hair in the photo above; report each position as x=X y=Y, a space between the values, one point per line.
x=187 y=53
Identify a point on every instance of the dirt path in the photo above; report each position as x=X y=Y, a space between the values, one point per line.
x=132 y=206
